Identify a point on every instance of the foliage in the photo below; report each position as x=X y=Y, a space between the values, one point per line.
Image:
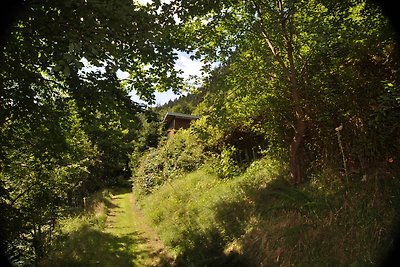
x=383 y=124
x=293 y=71
x=173 y=157
x=40 y=178
x=185 y=104
x=223 y=165
x=67 y=122
x=289 y=73
x=149 y=137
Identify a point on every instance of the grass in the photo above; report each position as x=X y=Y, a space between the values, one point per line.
x=199 y=214
x=260 y=219
x=106 y=235
x=126 y=221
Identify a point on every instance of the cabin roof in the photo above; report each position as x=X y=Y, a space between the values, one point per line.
x=171 y=115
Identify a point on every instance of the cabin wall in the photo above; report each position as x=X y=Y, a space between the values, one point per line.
x=176 y=124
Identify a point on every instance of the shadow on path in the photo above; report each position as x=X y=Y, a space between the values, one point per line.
x=125 y=221
x=91 y=247
x=123 y=242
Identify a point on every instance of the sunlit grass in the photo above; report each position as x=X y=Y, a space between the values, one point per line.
x=188 y=216
x=95 y=239
x=259 y=218
x=121 y=224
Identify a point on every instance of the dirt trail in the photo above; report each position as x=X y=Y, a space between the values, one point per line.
x=126 y=219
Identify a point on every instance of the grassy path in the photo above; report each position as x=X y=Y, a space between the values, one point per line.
x=139 y=244
x=127 y=239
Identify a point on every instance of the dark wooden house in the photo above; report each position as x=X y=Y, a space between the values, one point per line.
x=176 y=121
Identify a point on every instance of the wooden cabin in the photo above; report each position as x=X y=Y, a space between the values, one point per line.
x=176 y=121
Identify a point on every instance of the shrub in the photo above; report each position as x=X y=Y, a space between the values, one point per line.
x=223 y=165
x=173 y=157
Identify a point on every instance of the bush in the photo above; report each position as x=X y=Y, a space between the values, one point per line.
x=223 y=165
x=173 y=157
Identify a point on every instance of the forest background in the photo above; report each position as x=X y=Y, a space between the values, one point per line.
x=312 y=85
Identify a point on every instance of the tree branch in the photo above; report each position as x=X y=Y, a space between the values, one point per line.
x=268 y=40
x=52 y=81
x=23 y=193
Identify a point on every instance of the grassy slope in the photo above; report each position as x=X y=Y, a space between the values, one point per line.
x=258 y=218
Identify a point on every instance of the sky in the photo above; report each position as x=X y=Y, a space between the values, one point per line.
x=189 y=67
x=184 y=63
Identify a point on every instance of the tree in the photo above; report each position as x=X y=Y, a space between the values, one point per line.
x=289 y=41
x=44 y=167
x=65 y=129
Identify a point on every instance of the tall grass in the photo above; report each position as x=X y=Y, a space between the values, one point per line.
x=259 y=218
x=80 y=232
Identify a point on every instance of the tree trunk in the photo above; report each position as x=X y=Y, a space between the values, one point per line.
x=296 y=146
x=299 y=124
x=295 y=152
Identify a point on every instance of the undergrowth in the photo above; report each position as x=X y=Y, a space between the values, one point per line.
x=79 y=233
x=170 y=159
x=258 y=218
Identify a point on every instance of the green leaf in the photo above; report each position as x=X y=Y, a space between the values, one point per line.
x=67 y=71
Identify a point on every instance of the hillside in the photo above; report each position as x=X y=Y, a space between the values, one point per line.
x=258 y=218
x=185 y=104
